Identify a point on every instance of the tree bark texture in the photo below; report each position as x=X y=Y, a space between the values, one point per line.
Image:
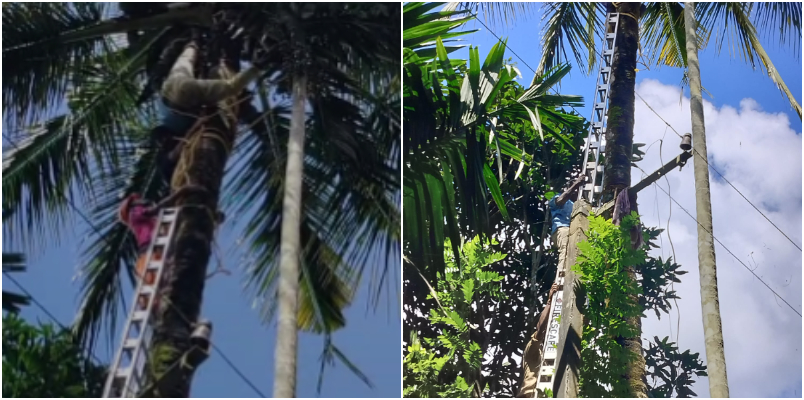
x=713 y=331
x=620 y=124
x=619 y=143
x=287 y=333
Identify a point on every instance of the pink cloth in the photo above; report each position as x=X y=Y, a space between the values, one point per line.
x=142 y=225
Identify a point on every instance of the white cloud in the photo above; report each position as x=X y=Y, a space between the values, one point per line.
x=760 y=154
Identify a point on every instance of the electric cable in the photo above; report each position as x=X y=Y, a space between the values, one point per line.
x=721 y=175
x=46 y=311
x=728 y=250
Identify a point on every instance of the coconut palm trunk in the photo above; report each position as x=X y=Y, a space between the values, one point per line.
x=202 y=163
x=619 y=141
x=287 y=334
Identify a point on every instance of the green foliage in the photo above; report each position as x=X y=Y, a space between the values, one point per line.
x=671 y=368
x=655 y=277
x=12 y=302
x=41 y=361
x=610 y=293
x=432 y=366
x=459 y=118
x=614 y=297
x=422 y=368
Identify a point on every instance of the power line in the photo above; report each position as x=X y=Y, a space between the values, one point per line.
x=721 y=175
x=727 y=249
x=46 y=311
x=97 y=231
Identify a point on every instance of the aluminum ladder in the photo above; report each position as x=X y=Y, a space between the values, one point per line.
x=595 y=149
x=595 y=144
x=126 y=377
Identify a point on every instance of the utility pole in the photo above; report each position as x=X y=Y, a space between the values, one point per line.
x=713 y=332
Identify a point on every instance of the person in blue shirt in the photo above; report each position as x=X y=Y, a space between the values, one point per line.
x=561 y=212
x=182 y=97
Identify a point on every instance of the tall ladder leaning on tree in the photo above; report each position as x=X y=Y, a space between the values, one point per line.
x=594 y=152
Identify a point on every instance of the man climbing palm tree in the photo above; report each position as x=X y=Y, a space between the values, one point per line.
x=560 y=213
x=184 y=96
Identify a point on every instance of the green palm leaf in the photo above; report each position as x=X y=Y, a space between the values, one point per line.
x=13 y=302
x=43 y=69
x=732 y=19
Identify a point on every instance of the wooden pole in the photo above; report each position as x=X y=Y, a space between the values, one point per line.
x=570 y=329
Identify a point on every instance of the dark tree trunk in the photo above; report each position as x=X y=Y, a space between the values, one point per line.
x=620 y=131
x=619 y=143
x=203 y=163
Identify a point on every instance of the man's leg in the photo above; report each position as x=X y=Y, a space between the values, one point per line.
x=561 y=240
x=178 y=87
x=531 y=359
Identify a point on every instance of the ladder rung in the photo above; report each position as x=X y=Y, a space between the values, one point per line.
x=608 y=52
x=147 y=289
x=140 y=315
x=600 y=106
x=162 y=240
x=588 y=187
x=605 y=70
x=610 y=35
x=613 y=17
x=591 y=165
x=122 y=373
x=131 y=343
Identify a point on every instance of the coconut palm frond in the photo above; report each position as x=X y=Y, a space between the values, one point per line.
x=733 y=21
x=573 y=25
x=13 y=302
x=500 y=14
x=44 y=67
x=784 y=17
x=111 y=252
x=47 y=164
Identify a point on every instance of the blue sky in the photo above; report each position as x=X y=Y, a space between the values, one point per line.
x=754 y=139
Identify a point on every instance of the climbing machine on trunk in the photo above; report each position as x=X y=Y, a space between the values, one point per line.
x=127 y=374
x=595 y=148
